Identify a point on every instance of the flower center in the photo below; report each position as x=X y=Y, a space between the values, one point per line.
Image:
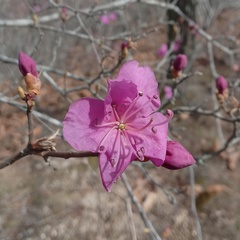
x=125 y=130
x=121 y=126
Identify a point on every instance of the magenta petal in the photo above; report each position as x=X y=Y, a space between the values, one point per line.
x=109 y=173
x=146 y=85
x=177 y=156
x=152 y=140
x=121 y=94
x=143 y=77
x=155 y=141
x=79 y=125
x=27 y=65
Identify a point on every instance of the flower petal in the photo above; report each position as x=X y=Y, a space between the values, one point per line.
x=121 y=94
x=152 y=140
x=142 y=76
x=79 y=125
x=144 y=79
x=177 y=156
x=109 y=173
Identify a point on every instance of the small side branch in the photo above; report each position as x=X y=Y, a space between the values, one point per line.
x=9 y=161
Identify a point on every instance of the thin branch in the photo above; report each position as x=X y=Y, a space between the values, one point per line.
x=193 y=203
x=142 y=213
x=9 y=161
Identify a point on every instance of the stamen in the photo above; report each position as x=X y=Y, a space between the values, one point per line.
x=138 y=110
x=101 y=147
x=113 y=162
x=140 y=153
x=140 y=94
x=139 y=129
x=116 y=150
x=169 y=115
x=154 y=130
x=110 y=124
x=131 y=145
x=115 y=113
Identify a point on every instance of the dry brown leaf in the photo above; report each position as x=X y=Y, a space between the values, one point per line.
x=205 y=196
x=197 y=189
x=150 y=200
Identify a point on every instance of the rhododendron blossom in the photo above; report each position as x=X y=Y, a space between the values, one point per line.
x=123 y=127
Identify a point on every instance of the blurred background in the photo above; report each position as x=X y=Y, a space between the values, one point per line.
x=78 y=46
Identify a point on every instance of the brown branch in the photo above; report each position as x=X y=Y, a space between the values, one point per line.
x=9 y=161
x=30 y=126
x=29 y=150
x=67 y=155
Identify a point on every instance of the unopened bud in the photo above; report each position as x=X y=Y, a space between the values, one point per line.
x=221 y=84
x=161 y=52
x=168 y=92
x=64 y=14
x=33 y=83
x=180 y=62
x=127 y=45
x=27 y=65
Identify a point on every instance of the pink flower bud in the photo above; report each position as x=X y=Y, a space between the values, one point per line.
x=27 y=65
x=124 y=45
x=104 y=19
x=180 y=62
x=64 y=11
x=161 y=52
x=176 y=45
x=177 y=156
x=113 y=16
x=221 y=84
x=36 y=8
x=168 y=92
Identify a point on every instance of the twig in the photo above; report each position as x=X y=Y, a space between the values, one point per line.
x=29 y=150
x=30 y=126
x=132 y=225
x=9 y=161
x=143 y=214
x=193 y=203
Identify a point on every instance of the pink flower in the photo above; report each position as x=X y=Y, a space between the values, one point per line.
x=36 y=8
x=113 y=16
x=161 y=52
x=27 y=65
x=176 y=45
x=108 y=18
x=124 y=127
x=64 y=10
x=168 y=92
x=180 y=62
x=104 y=19
x=221 y=84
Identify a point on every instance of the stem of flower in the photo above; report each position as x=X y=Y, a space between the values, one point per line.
x=30 y=126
